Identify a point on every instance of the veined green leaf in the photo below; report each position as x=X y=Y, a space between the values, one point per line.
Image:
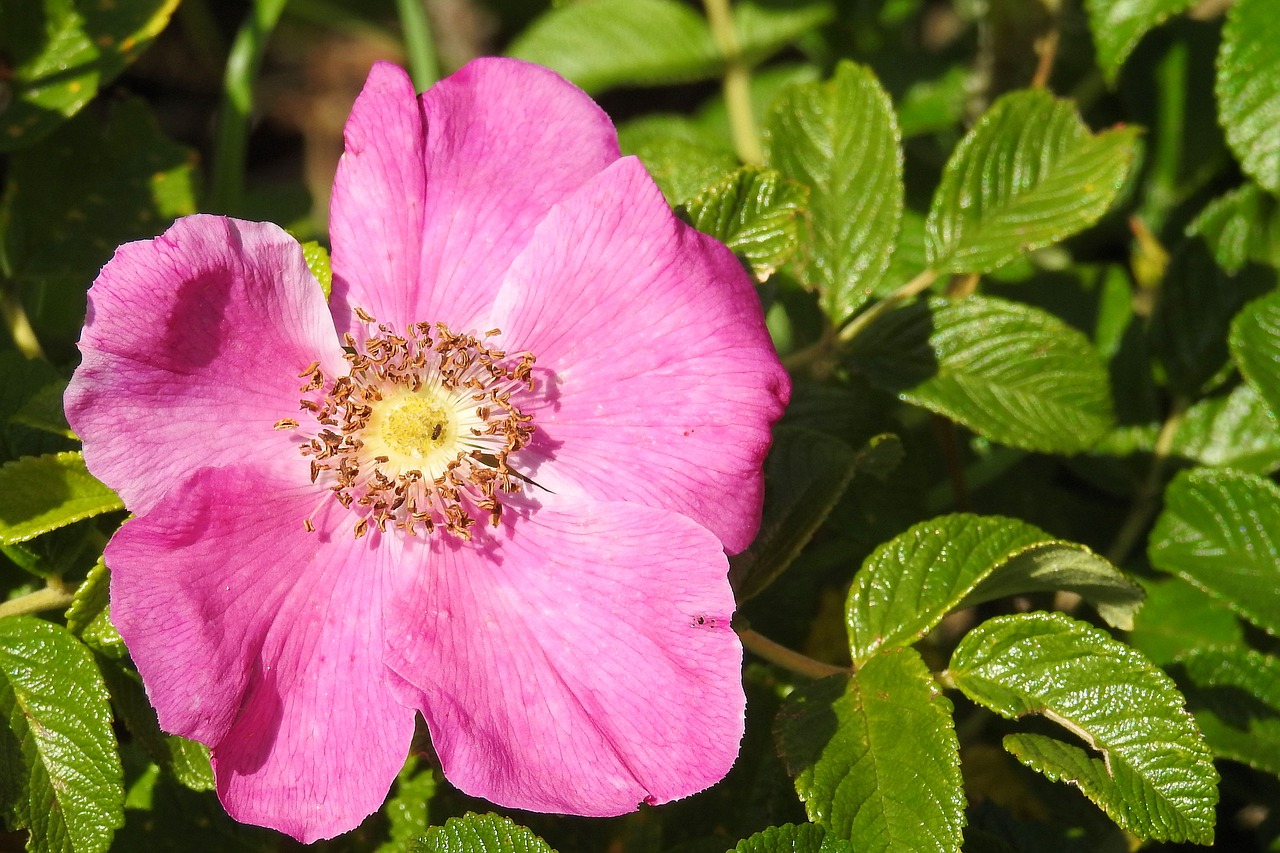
x=910 y=583
x=61 y=777
x=1147 y=766
x=1016 y=374
x=1248 y=88
x=43 y=493
x=875 y=756
x=680 y=156
x=407 y=809
x=1118 y=26
x=1177 y=617
x=1241 y=227
x=1234 y=694
x=1028 y=175
x=62 y=52
x=755 y=212
x=790 y=838
x=1255 y=346
x=840 y=138
x=1220 y=530
x=476 y=833
x=317 y=258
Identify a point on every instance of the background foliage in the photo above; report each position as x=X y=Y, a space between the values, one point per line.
x=1017 y=586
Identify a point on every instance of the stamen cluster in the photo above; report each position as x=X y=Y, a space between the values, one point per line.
x=419 y=431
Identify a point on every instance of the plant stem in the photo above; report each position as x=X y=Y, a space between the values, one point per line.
x=243 y=64
x=761 y=646
x=1147 y=500
x=52 y=597
x=737 y=83
x=19 y=325
x=424 y=66
x=911 y=289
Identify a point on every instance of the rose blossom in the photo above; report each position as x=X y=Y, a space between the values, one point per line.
x=493 y=481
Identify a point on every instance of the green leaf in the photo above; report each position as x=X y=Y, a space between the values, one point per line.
x=875 y=756
x=910 y=583
x=1255 y=346
x=131 y=181
x=1013 y=373
x=1154 y=776
x=62 y=52
x=1241 y=227
x=755 y=213
x=790 y=838
x=317 y=258
x=1248 y=88
x=25 y=381
x=682 y=159
x=1234 y=430
x=1028 y=175
x=1118 y=26
x=805 y=474
x=766 y=26
x=43 y=493
x=474 y=833
x=1220 y=530
x=1234 y=694
x=1178 y=617
x=43 y=411
x=407 y=808
x=60 y=776
x=841 y=139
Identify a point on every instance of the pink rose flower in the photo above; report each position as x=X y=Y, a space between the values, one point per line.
x=492 y=482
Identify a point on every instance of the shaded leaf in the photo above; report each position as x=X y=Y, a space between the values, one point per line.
x=1220 y=530
x=840 y=139
x=1028 y=175
x=910 y=583
x=1016 y=374
x=1248 y=88
x=43 y=493
x=682 y=159
x=475 y=833
x=1255 y=346
x=1118 y=26
x=755 y=213
x=1234 y=694
x=1155 y=774
x=1178 y=617
x=25 y=381
x=61 y=778
x=875 y=756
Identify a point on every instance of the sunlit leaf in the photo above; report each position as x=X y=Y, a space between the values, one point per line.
x=680 y=156
x=790 y=838
x=1248 y=88
x=755 y=212
x=476 y=833
x=1118 y=26
x=1255 y=346
x=43 y=493
x=1147 y=765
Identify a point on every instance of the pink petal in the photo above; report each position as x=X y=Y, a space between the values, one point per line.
x=434 y=197
x=579 y=661
x=264 y=642
x=662 y=381
x=191 y=353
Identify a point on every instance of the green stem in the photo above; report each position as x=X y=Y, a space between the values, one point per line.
x=761 y=646
x=424 y=66
x=911 y=289
x=243 y=64
x=1147 y=501
x=52 y=597
x=19 y=325
x=737 y=83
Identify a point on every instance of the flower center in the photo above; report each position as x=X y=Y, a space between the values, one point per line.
x=418 y=433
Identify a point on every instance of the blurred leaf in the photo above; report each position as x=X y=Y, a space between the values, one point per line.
x=910 y=583
x=317 y=258
x=875 y=756
x=1234 y=694
x=130 y=182
x=790 y=838
x=931 y=106
x=840 y=139
x=682 y=158
x=755 y=212
x=1234 y=430
x=608 y=43
x=1255 y=345
x=1219 y=531
x=805 y=474
x=1155 y=776
x=1241 y=227
x=43 y=411
x=1248 y=88
x=474 y=833
x=1178 y=617
x=43 y=493
x=1118 y=26
x=1010 y=372
x=61 y=52
x=162 y=816
x=25 y=380
x=407 y=809
x=60 y=774
x=1028 y=175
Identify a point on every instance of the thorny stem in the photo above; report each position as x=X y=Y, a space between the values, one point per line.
x=19 y=326
x=763 y=647
x=737 y=83
x=55 y=596
x=418 y=43
x=1147 y=501
x=913 y=288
